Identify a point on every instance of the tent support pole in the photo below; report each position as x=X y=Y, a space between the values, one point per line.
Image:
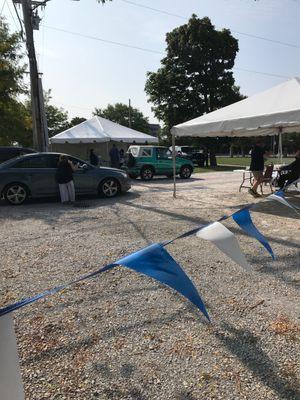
x=174 y=165
x=280 y=144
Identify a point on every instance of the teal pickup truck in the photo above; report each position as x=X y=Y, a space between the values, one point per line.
x=147 y=161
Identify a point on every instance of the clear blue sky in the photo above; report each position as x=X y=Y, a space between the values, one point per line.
x=84 y=73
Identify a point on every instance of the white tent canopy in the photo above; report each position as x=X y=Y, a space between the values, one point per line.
x=274 y=111
x=100 y=130
x=262 y=114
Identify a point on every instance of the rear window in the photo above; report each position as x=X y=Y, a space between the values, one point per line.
x=134 y=151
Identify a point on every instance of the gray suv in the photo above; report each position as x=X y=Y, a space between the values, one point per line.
x=33 y=175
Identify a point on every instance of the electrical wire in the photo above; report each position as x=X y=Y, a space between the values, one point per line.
x=234 y=31
x=149 y=50
x=103 y=40
x=12 y=16
x=2 y=8
x=20 y=21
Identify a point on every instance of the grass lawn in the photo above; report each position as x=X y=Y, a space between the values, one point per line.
x=245 y=161
x=219 y=168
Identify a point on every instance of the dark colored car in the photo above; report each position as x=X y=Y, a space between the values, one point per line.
x=7 y=153
x=194 y=154
x=33 y=175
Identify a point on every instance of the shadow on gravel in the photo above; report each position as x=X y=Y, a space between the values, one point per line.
x=50 y=210
x=90 y=341
x=246 y=347
x=201 y=221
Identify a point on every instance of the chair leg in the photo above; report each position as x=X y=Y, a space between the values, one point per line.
x=261 y=188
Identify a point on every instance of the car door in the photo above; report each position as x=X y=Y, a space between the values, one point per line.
x=84 y=176
x=164 y=161
x=36 y=171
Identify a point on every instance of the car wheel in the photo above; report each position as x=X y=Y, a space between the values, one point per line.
x=147 y=173
x=16 y=194
x=110 y=187
x=185 y=172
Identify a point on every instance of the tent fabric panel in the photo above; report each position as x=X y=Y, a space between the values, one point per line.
x=258 y=115
x=99 y=130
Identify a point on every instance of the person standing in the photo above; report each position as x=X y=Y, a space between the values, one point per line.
x=94 y=159
x=64 y=178
x=257 y=165
x=114 y=157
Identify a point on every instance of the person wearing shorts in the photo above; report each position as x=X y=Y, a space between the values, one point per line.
x=257 y=166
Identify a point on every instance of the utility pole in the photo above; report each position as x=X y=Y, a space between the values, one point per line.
x=129 y=115
x=31 y=21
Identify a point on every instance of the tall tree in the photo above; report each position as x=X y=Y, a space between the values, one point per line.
x=195 y=77
x=57 y=117
x=119 y=113
x=14 y=121
x=76 y=121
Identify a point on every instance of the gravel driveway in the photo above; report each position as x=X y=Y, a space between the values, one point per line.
x=124 y=336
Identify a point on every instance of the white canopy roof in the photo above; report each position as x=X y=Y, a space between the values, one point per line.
x=258 y=115
x=99 y=130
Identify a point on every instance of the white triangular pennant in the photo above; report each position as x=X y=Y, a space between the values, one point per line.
x=283 y=201
x=11 y=387
x=225 y=241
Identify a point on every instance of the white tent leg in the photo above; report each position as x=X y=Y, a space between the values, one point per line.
x=280 y=145
x=174 y=165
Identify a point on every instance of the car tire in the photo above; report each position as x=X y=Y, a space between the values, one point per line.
x=147 y=173
x=109 y=187
x=185 y=172
x=16 y=194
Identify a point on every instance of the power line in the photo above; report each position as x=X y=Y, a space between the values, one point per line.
x=261 y=73
x=11 y=14
x=2 y=8
x=234 y=31
x=103 y=40
x=19 y=19
x=147 y=50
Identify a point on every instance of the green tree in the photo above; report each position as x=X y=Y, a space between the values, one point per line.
x=57 y=117
x=119 y=113
x=195 y=77
x=14 y=121
x=76 y=121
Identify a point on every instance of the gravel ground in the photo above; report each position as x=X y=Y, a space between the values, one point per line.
x=123 y=335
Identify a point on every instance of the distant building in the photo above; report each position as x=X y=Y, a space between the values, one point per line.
x=155 y=129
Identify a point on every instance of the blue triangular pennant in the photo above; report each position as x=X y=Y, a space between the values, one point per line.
x=156 y=262
x=244 y=220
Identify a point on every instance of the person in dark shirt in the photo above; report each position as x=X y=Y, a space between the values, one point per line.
x=293 y=172
x=94 y=159
x=64 y=178
x=114 y=157
x=258 y=154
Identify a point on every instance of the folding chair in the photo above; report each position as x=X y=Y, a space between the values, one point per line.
x=268 y=178
x=248 y=178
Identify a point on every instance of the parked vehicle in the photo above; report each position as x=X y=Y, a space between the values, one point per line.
x=33 y=175
x=192 y=153
x=147 y=161
x=9 y=152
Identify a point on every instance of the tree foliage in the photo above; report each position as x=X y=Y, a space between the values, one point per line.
x=76 y=121
x=195 y=77
x=57 y=117
x=14 y=121
x=119 y=113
